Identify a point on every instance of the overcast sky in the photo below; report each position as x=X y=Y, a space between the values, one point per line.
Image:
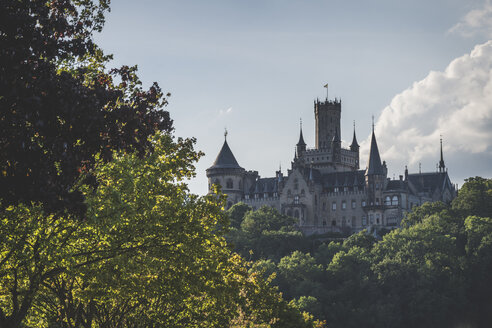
x=422 y=68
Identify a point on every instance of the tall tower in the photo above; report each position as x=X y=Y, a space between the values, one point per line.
x=375 y=180
x=327 y=116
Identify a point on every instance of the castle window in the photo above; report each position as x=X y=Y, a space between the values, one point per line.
x=371 y=219
x=377 y=201
x=256 y=196
x=333 y=222
x=335 y=189
x=377 y=218
x=353 y=203
x=334 y=206
x=229 y=184
x=246 y=196
x=265 y=195
x=364 y=221
x=344 y=205
x=394 y=200
x=275 y=194
x=377 y=186
x=387 y=200
x=296 y=199
x=345 y=188
x=363 y=203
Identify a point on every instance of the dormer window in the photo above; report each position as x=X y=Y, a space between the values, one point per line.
x=335 y=189
x=296 y=199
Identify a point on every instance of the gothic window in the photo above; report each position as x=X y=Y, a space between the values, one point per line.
x=246 y=196
x=394 y=200
x=335 y=189
x=371 y=218
x=334 y=206
x=344 y=205
x=353 y=203
x=265 y=195
x=387 y=200
x=229 y=184
x=296 y=199
x=377 y=186
x=363 y=203
x=275 y=194
x=364 y=221
x=256 y=196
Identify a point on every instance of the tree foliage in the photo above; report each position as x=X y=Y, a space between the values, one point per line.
x=59 y=106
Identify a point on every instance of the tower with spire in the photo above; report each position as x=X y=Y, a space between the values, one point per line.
x=442 y=167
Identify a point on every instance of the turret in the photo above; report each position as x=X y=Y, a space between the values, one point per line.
x=375 y=179
x=301 y=145
x=354 y=147
x=227 y=173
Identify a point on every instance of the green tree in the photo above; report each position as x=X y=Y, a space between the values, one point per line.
x=237 y=212
x=474 y=198
x=265 y=218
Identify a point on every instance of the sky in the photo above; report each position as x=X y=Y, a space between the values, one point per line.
x=422 y=68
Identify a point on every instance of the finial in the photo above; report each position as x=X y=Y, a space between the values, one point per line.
x=225 y=133
x=300 y=122
x=373 y=123
x=354 y=125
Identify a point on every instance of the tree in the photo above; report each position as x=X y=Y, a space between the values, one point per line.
x=149 y=253
x=265 y=218
x=59 y=107
x=474 y=198
x=237 y=212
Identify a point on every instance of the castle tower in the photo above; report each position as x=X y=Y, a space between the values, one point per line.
x=375 y=176
x=327 y=117
x=227 y=173
x=354 y=147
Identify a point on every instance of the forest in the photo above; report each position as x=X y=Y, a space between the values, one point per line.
x=98 y=227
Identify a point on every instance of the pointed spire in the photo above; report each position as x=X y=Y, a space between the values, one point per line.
x=441 y=162
x=301 y=138
x=225 y=158
x=354 y=146
x=374 y=163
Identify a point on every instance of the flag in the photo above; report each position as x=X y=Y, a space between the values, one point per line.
x=326 y=85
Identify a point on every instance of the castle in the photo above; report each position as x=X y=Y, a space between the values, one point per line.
x=325 y=189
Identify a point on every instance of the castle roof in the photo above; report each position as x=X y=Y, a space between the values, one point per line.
x=374 y=163
x=429 y=182
x=301 y=139
x=225 y=159
x=354 y=144
x=262 y=185
x=346 y=179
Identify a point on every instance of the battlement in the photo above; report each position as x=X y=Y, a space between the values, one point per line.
x=328 y=105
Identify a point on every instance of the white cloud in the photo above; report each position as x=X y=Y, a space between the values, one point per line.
x=477 y=21
x=456 y=103
x=225 y=112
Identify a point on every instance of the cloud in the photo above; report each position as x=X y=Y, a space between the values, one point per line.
x=475 y=22
x=225 y=112
x=456 y=103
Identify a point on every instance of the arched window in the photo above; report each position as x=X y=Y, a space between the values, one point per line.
x=394 y=200
x=296 y=199
x=229 y=184
x=387 y=200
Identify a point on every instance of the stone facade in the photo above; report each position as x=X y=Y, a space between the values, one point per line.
x=325 y=189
